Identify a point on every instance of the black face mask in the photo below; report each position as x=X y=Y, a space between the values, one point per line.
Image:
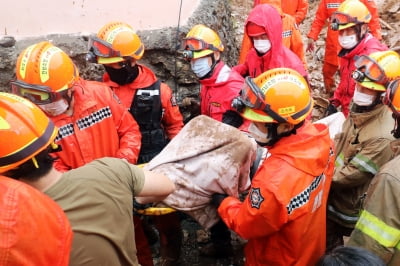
x=123 y=75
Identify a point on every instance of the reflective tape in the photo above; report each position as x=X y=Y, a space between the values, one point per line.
x=377 y=229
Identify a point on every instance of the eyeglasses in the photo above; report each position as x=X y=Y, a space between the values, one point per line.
x=366 y=67
x=102 y=48
x=196 y=45
x=35 y=93
x=339 y=18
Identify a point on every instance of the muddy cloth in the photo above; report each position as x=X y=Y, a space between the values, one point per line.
x=206 y=157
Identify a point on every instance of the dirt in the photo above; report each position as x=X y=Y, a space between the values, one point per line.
x=194 y=235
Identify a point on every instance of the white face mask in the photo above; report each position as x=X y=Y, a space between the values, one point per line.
x=200 y=67
x=55 y=108
x=363 y=99
x=348 y=42
x=262 y=46
x=258 y=135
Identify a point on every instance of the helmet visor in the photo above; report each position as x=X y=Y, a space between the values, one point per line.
x=251 y=95
x=392 y=98
x=102 y=48
x=35 y=93
x=370 y=69
x=196 y=45
x=343 y=18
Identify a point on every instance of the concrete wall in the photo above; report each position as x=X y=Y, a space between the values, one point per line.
x=159 y=32
x=26 y=18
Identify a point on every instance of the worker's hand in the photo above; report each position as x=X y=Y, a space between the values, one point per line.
x=331 y=109
x=310 y=45
x=217 y=198
x=188 y=101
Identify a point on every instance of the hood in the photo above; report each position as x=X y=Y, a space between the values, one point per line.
x=267 y=16
x=307 y=150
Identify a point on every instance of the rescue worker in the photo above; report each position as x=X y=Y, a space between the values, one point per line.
x=264 y=27
x=321 y=18
x=351 y=20
x=291 y=35
x=34 y=229
x=97 y=197
x=92 y=121
x=151 y=102
x=363 y=146
x=283 y=216
x=378 y=228
x=219 y=84
x=118 y=48
x=297 y=9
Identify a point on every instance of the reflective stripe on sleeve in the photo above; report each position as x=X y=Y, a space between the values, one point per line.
x=339 y=162
x=364 y=164
x=375 y=228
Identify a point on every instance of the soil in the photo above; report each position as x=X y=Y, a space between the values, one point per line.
x=194 y=235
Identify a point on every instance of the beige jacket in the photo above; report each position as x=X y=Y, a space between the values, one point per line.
x=362 y=149
x=378 y=228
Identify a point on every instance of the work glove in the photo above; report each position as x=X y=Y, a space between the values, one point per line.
x=331 y=109
x=232 y=118
x=310 y=45
x=139 y=206
x=217 y=198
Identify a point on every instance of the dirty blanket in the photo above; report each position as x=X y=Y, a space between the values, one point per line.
x=206 y=157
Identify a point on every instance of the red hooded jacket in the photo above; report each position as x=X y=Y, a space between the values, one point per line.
x=345 y=90
x=284 y=215
x=268 y=17
x=291 y=35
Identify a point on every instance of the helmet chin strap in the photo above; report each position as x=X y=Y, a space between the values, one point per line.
x=273 y=134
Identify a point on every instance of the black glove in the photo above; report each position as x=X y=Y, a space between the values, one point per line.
x=138 y=206
x=232 y=118
x=331 y=109
x=217 y=198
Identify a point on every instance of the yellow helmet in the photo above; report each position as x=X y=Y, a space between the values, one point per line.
x=376 y=70
x=43 y=72
x=115 y=42
x=278 y=95
x=202 y=41
x=350 y=13
x=24 y=131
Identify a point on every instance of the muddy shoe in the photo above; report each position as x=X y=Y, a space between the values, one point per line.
x=211 y=250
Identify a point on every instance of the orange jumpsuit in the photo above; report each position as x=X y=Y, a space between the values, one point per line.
x=284 y=216
x=332 y=47
x=291 y=35
x=297 y=9
x=34 y=229
x=99 y=127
